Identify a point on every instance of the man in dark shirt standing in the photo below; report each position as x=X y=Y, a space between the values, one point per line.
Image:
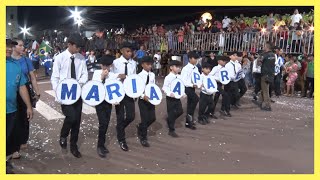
x=211 y=60
x=267 y=75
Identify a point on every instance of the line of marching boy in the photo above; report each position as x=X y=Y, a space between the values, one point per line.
x=229 y=83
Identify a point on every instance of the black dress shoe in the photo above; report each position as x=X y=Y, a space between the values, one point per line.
x=173 y=134
x=202 y=122
x=214 y=116
x=75 y=152
x=63 y=143
x=206 y=120
x=228 y=114
x=105 y=149
x=266 y=108
x=101 y=152
x=9 y=168
x=224 y=113
x=144 y=143
x=190 y=126
x=235 y=106
x=273 y=101
x=124 y=146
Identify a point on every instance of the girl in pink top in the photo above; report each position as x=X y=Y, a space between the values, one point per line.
x=291 y=69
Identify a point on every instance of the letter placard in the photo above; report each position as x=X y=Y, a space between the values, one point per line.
x=224 y=76
x=68 y=91
x=134 y=86
x=178 y=88
x=239 y=75
x=196 y=78
x=93 y=93
x=153 y=92
x=114 y=91
x=210 y=84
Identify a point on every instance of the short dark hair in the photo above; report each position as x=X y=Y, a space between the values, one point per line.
x=268 y=45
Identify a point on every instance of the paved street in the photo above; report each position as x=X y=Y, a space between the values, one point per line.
x=252 y=141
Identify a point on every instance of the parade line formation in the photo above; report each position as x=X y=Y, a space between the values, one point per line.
x=122 y=81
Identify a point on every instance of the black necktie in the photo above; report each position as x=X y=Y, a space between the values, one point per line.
x=126 y=69
x=73 y=68
x=234 y=66
x=147 y=79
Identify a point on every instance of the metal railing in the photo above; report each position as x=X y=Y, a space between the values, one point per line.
x=291 y=42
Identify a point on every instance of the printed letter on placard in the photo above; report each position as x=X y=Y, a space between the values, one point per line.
x=93 y=93
x=65 y=92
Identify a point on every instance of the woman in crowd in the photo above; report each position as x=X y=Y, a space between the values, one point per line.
x=291 y=69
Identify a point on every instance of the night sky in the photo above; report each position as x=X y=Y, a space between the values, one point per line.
x=56 y=17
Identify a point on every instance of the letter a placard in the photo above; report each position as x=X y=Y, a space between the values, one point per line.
x=93 y=93
x=153 y=92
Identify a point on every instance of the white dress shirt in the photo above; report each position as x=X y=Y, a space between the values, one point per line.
x=186 y=74
x=278 y=64
x=215 y=72
x=233 y=68
x=157 y=64
x=255 y=67
x=119 y=66
x=97 y=75
x=167 y=82
x=62 y=68
x=144 y=75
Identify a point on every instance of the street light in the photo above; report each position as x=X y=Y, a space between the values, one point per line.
x=76 y=15
x=25 y=31
x=55 y=31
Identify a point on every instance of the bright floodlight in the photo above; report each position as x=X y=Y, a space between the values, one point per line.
x=79 y=22
x=47 y=42
x=206 y=16
x=76 y=14
x=263 y=30
x=24 y=30
x=311 y=28
x=275 y=28
x=55 y=31
x=9 y=23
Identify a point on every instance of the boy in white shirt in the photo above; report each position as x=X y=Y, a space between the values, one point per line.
x=193 y=98
x=233 y=67
x=70 y=64
x=157 y=65
x=104 y=109
x=174 y=106
x=206 y=100
x=147 y=110
x=123 y=67
x=224 y=90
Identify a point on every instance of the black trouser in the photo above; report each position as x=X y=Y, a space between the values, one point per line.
x=257 y=85
x=193 y=100
x=277 y=83
x=148 y=116
x=242 y=87
x=174 y=109
x=23 y=124
x=72 y=121
x=126 y=107
x=205 y=106
x=104 y=112
x=309 y=85
x=225 y=104
x=233 y=89
x=12 y=136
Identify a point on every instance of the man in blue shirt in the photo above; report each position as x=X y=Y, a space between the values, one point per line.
x=139 y=55
x=15 y=82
